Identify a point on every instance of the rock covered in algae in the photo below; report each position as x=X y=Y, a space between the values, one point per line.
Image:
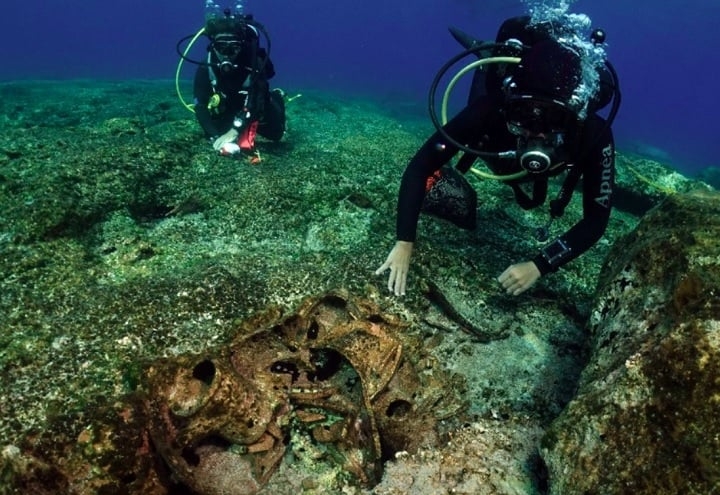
x=645 y=417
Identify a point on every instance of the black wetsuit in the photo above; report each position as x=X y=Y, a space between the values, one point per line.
x=267 y=107
x=589 y=154
x=591 y=150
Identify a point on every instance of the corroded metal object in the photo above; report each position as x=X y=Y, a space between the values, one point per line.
x=335 y=368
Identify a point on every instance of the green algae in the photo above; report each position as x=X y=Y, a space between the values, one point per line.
x=124 y=237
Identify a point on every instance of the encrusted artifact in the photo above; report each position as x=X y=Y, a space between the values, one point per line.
x=337 y=368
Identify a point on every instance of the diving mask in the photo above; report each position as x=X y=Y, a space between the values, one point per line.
x=531 y=115
x=227 y=47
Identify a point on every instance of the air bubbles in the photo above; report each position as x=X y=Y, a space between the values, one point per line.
x=573 y=31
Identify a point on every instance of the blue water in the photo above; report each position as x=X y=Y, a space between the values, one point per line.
x=665 y=52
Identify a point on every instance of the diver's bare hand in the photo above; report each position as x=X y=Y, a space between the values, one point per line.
x=519 y=277
x=398 y=261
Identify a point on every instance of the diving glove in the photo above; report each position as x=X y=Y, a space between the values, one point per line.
x=228 y=138
x=229 y=149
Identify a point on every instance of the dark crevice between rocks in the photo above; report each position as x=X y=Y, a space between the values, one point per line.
x=632 y=202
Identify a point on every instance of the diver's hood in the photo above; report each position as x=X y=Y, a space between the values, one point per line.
x=547 y=70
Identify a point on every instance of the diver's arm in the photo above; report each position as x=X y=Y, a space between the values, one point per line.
x=202 y=90
x=427 y=160
x=268 y=67
x=598 y=185
x=430 y=157
x=434 y=153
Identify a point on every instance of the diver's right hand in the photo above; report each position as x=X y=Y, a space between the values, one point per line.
x=227 y=138
x=398 y=261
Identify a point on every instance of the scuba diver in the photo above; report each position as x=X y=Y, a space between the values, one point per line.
x=233 y=101
x=530 y=116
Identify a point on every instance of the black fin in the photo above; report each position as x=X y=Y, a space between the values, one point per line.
x=464 y=39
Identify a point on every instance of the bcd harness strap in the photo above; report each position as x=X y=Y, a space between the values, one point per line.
x=247 y=84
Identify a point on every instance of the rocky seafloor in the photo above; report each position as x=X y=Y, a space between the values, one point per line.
x=125 y=239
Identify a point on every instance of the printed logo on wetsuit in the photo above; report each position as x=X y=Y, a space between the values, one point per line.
x=606 y=180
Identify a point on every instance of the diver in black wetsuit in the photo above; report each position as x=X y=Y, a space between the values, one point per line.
x=534 y=109
x=233 y=101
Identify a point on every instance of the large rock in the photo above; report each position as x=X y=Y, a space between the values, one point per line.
x=645 y=418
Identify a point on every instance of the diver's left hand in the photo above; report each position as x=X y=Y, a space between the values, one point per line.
x=519 y=277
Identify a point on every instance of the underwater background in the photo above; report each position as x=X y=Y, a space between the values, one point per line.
x=665 y=53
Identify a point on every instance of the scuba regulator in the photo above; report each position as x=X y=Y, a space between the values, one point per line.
x=550 y=118
x=539 y=125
